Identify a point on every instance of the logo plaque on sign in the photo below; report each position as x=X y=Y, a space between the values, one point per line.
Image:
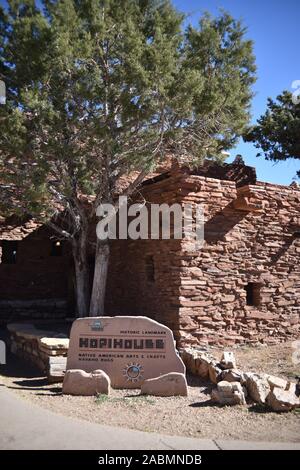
x=97 y=326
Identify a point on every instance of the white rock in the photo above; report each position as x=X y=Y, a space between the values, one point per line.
x=276 y=382
x=282 y=400
x=257 y=386
x=224 y=386
x=229 y=393
x=232 y=375
x=293 y=387
x=228 y=360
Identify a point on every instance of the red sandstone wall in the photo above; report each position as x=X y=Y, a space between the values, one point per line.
x=129 y=291
x=201 y=295
x=242 y=247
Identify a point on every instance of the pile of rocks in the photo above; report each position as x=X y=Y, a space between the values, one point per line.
x=233 y=386
x=229 y=393
x=47 y=350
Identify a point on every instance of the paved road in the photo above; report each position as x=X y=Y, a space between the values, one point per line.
x=24 y=425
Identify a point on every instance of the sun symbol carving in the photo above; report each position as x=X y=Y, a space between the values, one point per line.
x=133 y=372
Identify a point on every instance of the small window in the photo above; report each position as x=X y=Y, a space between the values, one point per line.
x=56 y=248
x=253 y=294
x=9 y=252
x=150 y=271
x=296 y=234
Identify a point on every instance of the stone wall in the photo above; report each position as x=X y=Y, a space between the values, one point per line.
x=251 y=242
x=143 y=276
x=47 y=350
x=250 y=237
x=38 y=284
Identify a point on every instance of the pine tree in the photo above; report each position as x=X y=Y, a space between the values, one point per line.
x=277 y=132
x=99 y=88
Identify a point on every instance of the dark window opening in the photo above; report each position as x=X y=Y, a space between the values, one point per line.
x=296 y=234
x=56 y=248
x=253 y=294
x=150 y=270
x=9 y=252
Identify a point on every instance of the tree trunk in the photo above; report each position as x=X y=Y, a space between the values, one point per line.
x=100 y=277
x=81 y=275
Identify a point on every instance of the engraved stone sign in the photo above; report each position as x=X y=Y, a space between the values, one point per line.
x=129 y=349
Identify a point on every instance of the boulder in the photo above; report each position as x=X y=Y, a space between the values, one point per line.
x=232 y=375
x=79 y=382
x=225 y=387
x=167 y=385
x=189 y=357
x=257 y=387
x=282 y=400
x=228 y=360
x=214 y=372
x=274 y=381
x=229 y=393
x=202 y=365
x=294 y=388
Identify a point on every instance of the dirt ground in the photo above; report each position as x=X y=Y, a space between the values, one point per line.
x=276 y=360
x=193 y=416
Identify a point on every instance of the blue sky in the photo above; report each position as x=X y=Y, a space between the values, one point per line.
x=273 y=25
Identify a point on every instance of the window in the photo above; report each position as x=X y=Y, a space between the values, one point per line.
x=296 y=234
x=56 y=248
x=9 y=252
x=253 y=294
x=150 y=271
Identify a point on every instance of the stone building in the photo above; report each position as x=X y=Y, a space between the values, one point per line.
x=35 y=272
x=243 y=285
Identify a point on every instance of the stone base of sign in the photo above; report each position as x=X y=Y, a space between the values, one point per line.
x=130 y=349
x=79 y=382
x=167 y=385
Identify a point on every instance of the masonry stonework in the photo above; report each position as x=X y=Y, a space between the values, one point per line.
x=251 y=243
x=251 y=238
x=242 y=286
x=36 y=285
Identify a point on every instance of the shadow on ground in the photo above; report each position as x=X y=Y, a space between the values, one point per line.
x=26 y=376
